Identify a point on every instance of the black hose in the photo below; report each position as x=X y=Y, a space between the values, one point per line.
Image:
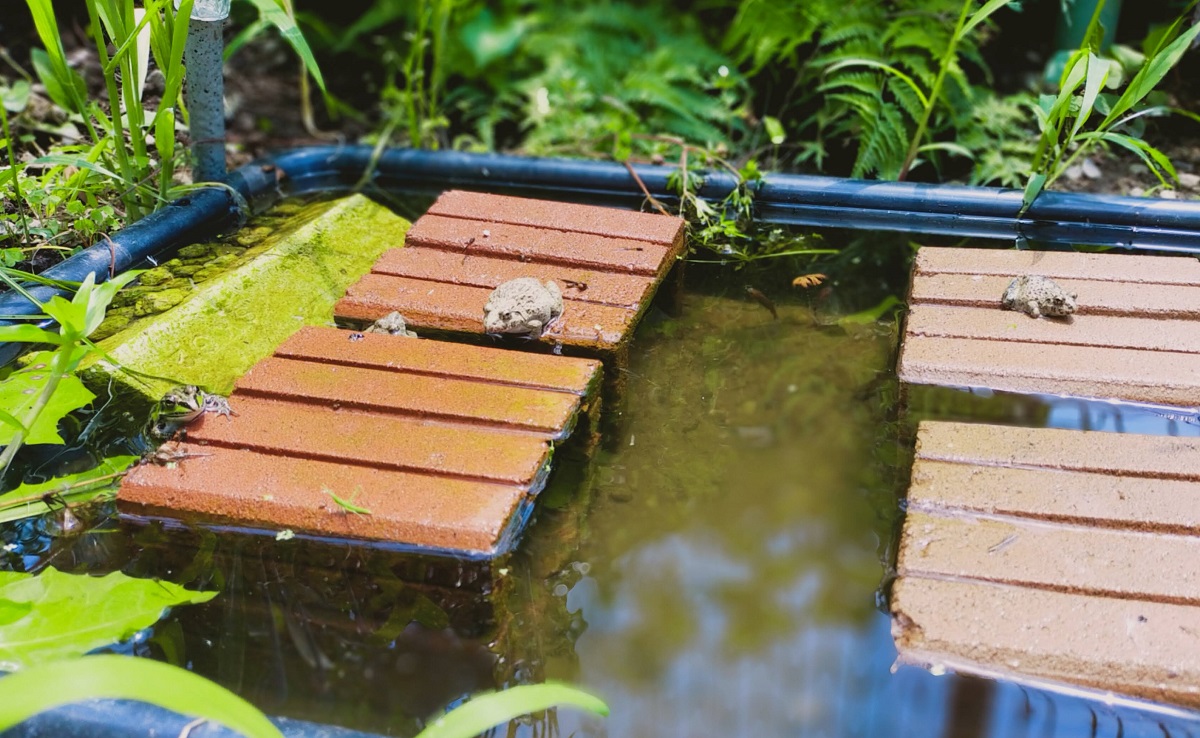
x=977 y=212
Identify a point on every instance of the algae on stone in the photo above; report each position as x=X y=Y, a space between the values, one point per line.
x=231 y=321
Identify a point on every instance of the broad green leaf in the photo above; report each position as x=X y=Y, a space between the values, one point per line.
x=15 y=98
x=26 y=333
x=45 y=687
x=100 y=296
x=273 y=12
x=26 y=500
x=485 y=711
x=58 y=89
x=19 y=393
x=69 y=314
x=72 y=614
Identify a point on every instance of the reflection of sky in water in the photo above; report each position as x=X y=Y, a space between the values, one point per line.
x=824 y=679
x=1121 y=417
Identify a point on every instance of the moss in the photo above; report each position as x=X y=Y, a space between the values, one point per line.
x=157 y=302
x=236 y=318
x=158 y=275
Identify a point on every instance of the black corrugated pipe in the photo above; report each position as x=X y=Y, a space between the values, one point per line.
x=980 y=212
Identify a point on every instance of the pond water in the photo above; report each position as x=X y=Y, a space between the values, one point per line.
x=718 y=567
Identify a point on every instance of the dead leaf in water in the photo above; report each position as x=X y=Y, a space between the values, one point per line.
x=808 y=280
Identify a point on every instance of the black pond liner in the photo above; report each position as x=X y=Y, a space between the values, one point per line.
x=974 y=212
x=968 y=212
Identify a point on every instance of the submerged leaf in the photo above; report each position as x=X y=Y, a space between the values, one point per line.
x=124 y=677
x=67 y=615
x=27 y=499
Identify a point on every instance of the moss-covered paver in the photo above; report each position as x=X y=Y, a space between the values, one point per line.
x=220 y=328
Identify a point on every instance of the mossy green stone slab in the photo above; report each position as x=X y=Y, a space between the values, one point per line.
x=233 y=320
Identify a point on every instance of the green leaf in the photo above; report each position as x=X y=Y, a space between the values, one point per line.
x=870 y=315
x=1155 y=160
x=15 y=98
x=488 y=40
x=26 y=333
x=1033 y=188
x=21 y=390
x=58 y=89
x=26 y=500
x=871 y=63
x=983 y=13
x=1097 y=73
x=488 y=710
x=123 y=677
x=1148 y=77
x=272 y=11
x=71 y=614
x=774 y=130
x=80 y=163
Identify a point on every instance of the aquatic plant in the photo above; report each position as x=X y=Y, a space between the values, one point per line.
x=40 y=688
x=1062 y=118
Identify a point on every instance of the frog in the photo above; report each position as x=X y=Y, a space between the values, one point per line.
x=522 y=305
x=392 y=324
x=183 y=404
x=1037 y=296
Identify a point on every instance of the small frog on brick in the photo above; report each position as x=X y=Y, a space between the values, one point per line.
x=183 y=404
x=1037 y=296
x=392 y=324
x=522 y=305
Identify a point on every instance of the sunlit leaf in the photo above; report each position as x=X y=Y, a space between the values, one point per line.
x=48 y=686
x=984 y=13
x=67 y=615
x=21 y=391
x=26 y=500
x=774 y=130
x=485 y=711
x=272 y=11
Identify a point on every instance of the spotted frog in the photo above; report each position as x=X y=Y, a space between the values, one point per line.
x=392 y=324
x=1038 y=296
x=183 y=404
x=522 y=305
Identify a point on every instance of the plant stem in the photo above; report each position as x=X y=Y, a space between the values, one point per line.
x=936 y=90
x=12 y=163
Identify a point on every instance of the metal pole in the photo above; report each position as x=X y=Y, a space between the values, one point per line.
x=204 y=90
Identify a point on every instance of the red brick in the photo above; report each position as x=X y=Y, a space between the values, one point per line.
x=278 y=492
x=1146 y=649
x=560 y=216
x=450 y=307
x=584 y=285
x=539 y=245
x=443 y=359
x=384 y=390
x=373 y=439
x=1112 y=267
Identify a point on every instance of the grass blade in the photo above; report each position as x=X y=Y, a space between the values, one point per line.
x=273 y=12
x=485 y=711
x=26 y=692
